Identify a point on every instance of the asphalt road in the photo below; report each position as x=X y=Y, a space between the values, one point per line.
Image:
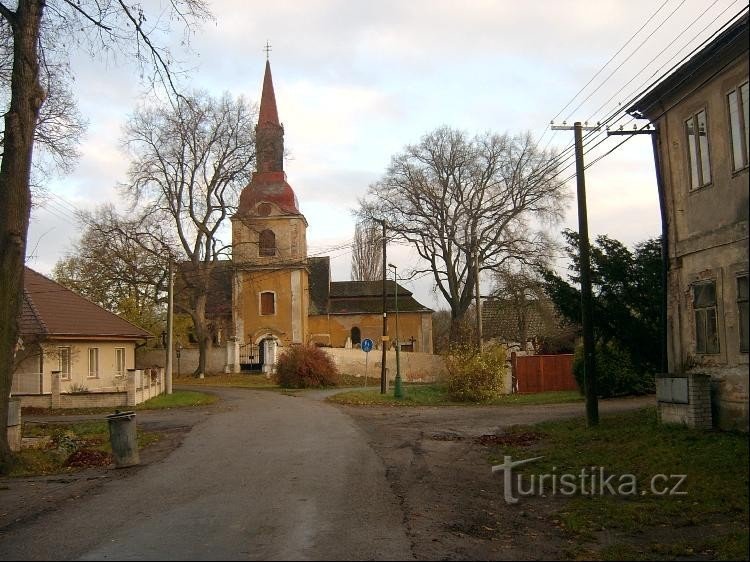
x=269 y=476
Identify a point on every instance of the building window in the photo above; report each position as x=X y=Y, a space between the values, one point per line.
x=119 y=361
x=698 y=155
x=63 y=354
x=93 y=361
x=267 y=243
x=267 y=303
x=706 y=328
x=356 y=335
x=738 y=125
x=743 y=311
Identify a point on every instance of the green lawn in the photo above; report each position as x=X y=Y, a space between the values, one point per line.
x=68 y=447
x=239 y=380
x=435 y=395
x=709 y=521
x=178 y=399
x=259 y=381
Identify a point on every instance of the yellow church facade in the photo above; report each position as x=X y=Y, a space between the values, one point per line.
x=280 y=296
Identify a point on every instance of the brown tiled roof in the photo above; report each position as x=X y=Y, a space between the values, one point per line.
x=366 y=297
x=499 y=320
x=366 y=289
x=49 y=309
x=354 y=297
x=374 y=305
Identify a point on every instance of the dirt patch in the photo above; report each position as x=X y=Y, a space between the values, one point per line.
x=437 y=462
x=85 y=458
x=523 y=439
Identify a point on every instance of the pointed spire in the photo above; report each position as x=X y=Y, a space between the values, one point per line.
x=268 y=112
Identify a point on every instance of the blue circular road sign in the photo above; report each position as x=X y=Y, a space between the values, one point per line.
x=366 y=345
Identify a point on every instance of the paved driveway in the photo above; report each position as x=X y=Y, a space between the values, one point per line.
x=268 y=477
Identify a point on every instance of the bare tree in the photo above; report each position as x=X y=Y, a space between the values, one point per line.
x=113 y=266
x=39 y=33
x=189 y=162
x=458 y=199
x=520 y=293
x=367 y=252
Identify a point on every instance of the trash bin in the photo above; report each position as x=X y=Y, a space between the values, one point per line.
x=122 y=437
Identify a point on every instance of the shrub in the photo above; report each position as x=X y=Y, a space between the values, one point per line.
x=305 y=366
x=616 y=375
x=474 y=376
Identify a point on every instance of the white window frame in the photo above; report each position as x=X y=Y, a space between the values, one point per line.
x=260 y=303
x=64 y=355
x=695 y=154
x=120 y=366
x=94 y=372
x=738 y=123
x=702 y=315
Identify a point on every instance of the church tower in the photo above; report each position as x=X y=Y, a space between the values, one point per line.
x=270 y=286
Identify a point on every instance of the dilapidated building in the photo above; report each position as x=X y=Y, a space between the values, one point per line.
x=701 y=115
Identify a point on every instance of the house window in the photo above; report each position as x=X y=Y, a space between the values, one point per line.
x=63 y=354
x=93 y=361
x=743 y=311
x=706 y=329
x=267 y=243
x=119 y=361
x=700 y=162
x=267 y=303
x=738 y=125
x=356 y=335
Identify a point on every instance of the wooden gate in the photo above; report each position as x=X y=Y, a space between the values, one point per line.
x=543 y=373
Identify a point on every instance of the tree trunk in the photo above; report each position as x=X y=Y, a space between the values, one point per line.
x=15 y=197
x=201 y=332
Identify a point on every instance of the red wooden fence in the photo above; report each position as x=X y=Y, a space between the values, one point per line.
x=542 y=373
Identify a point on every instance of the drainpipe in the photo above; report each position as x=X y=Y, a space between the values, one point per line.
x=664 y=366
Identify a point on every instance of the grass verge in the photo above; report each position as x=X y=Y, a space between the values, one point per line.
x=436 y=395
x=64 y=448
x=708 y=521
x=178 y=399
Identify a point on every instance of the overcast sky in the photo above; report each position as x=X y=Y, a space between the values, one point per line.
x=356 y=81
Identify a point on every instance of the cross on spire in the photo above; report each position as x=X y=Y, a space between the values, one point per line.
x=267 y=49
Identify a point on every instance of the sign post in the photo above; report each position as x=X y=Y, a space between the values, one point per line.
x=366 y=347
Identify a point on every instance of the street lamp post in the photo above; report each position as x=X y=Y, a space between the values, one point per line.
x=398 y=391
x=178 y=350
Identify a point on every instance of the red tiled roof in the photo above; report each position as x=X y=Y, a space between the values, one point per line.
x=49 y=309
x=268 y=114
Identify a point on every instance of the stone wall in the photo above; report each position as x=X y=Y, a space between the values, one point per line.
x=415 y=367
x=215 y=362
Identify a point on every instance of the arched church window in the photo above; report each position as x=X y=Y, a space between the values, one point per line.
x=267 y=303
x=356 y=335
x=267 y=243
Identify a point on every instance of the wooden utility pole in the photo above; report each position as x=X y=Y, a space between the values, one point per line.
x=384 y=340
x=480 y=344
x=584 y=254
x=170 y=329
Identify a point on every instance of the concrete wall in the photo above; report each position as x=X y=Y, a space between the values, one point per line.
x=415 y=367
x=708 y=238
x=215 y=362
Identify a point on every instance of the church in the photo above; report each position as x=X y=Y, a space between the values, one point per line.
x=280 y=296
